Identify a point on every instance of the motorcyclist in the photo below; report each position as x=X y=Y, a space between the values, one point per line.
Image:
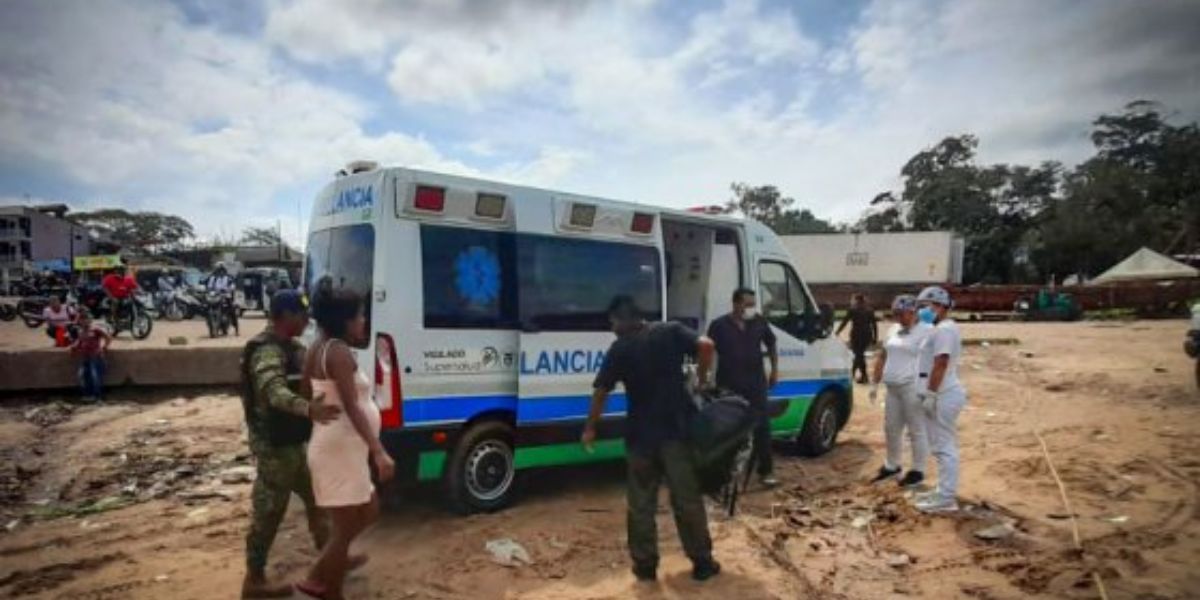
x=119 y=285
x=220 y=282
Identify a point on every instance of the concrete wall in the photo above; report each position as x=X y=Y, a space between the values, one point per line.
x=52 y=368
x=877 y=258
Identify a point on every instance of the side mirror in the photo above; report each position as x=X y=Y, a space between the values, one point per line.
x=827 y=319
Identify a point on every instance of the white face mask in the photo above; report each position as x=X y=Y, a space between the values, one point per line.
x=749 y=313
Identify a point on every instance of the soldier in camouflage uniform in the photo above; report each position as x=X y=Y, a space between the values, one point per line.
x=279 y=420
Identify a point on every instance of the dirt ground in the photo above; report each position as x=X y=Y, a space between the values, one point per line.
x=147 y=496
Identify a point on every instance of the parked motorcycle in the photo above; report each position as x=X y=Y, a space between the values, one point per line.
x=219 y=313
x=168 y=306
x=189 y=302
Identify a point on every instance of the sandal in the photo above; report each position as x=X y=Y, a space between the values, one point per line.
x=311 y=589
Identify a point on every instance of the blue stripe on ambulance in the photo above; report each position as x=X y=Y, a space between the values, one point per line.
x=457 y=409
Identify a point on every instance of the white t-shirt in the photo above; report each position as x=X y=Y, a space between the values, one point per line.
x=904 y=353
x=62 y=318
x=944 y=339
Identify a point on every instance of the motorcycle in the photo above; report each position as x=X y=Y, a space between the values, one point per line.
x=189 y=302
x=133 y=316
x=168 y=305
x=219 y=314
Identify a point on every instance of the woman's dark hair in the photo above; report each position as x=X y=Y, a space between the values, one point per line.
x=333 y=309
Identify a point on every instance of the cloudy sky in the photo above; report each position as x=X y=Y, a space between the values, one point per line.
x=235 y=113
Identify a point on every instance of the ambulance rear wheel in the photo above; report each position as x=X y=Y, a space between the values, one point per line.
x=481 y=470
x=821 y=426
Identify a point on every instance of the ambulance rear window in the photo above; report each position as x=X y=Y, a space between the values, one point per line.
x=347 y=256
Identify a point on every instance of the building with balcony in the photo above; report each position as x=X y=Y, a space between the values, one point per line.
x=30 y=235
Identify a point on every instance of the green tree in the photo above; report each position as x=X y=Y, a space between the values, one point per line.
x=1142 y=188
x=261 y=236
x=144 y=232
x=884 y=216
x=769 y=206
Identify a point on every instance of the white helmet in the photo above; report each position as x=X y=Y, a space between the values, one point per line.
x=936 y=295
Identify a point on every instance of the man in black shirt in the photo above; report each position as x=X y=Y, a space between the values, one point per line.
x=740 y=338
x=864 y=332
x=649 y=360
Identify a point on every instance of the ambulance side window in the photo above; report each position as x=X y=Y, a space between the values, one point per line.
x=469 y=279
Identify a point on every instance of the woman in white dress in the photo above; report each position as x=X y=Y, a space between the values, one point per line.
x=341 y=452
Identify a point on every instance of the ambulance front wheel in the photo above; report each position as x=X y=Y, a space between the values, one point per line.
x=821 y=426
x=480 y=473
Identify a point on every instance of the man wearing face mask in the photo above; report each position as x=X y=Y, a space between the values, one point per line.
x=942 y=396
x=740 y=338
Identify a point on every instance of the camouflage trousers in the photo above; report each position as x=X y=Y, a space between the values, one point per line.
x=282 y=471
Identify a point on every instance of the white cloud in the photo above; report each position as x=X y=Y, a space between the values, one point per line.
x=624 y=99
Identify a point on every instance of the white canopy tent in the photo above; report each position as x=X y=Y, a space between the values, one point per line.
x=1146 y=265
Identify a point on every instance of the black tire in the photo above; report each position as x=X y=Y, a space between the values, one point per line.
x=140 y=324
x=480 y=473
x=7 y=313
x=821 y=426
x=31 y=322
x=211 y=320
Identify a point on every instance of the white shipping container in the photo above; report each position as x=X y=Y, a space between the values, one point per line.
x=914 y=257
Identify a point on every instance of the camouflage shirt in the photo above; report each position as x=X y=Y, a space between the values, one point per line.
x=276 y=413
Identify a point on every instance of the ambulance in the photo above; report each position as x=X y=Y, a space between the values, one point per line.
x=486 y=312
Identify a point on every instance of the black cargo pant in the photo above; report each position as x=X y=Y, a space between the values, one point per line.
x=859 y=347
x=675 y=461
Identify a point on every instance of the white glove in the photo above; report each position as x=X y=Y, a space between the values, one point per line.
x=929 y=401
x=873 y=395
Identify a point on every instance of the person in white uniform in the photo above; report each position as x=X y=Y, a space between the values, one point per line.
x=943 y=396
x=897 y=367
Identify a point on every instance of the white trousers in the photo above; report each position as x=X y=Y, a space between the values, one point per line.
x=902 y=410
x=942 y=426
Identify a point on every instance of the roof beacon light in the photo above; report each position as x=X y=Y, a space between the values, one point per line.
x=429 y=198
x=583 y=216
x=643 y=223
x=489 y=206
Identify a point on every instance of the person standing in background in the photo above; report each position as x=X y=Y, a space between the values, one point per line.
x=89 y=347
x=942 y=395
x=864 y=332
x=897 y=368
x=741 y=337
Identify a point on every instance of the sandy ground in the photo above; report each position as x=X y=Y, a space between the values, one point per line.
x=15 y=335
x=126 y=500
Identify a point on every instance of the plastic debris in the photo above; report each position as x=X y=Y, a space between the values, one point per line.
x=996 y=532
x=508 y=553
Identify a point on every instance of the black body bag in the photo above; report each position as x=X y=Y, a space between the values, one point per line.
x=719 y=430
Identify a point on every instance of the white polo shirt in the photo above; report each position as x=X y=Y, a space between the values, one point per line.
x=904 y=353
x=945 y=339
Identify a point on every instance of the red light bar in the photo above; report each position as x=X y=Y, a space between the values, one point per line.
x=708 y=210
x=643 y=223
x=432 y=199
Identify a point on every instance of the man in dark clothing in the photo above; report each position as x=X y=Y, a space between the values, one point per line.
x=864 y=332
x=740 y=337
x=649 y=361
